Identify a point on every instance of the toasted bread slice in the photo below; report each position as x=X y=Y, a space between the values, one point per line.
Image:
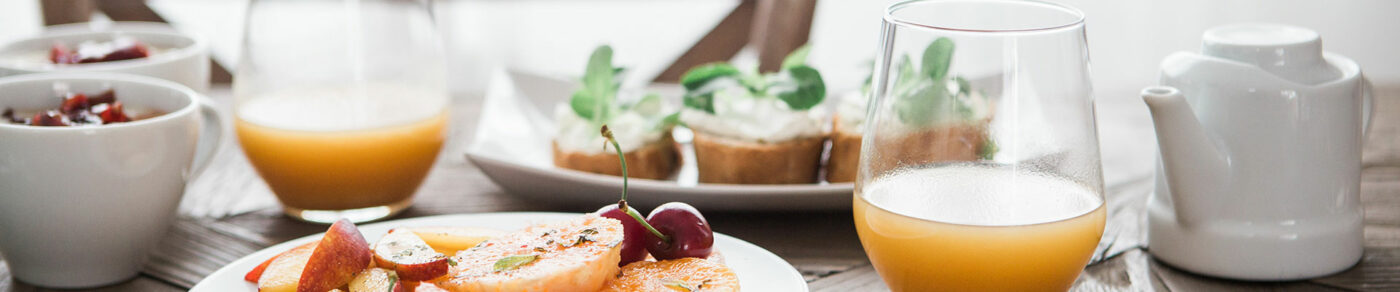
x=575 y=255
x=942 y=143
x=656 y=160
x=731 y=161
x=844 y=159
x=685 y=274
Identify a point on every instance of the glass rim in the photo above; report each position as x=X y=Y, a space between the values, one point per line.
x=1078 y=15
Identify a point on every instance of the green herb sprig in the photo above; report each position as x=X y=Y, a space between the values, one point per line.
x=798 y=85
x=596 y=98
x=924 y=96
x=512 y=262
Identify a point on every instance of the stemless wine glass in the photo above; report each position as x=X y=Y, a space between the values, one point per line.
x=980 y=169
x=341 y=105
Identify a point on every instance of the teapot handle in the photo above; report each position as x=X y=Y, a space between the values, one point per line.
x=1367 y=108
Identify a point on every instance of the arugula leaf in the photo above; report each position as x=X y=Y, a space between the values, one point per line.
x=800 y=87
x=512 y=262
x=698 y=76
x=798 y=57
x=595 y=100
x=937 y=57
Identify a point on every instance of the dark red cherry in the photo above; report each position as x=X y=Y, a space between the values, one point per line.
x=634 y=235
x=690 y=234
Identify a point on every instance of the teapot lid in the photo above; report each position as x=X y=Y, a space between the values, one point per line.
x=1291 y=52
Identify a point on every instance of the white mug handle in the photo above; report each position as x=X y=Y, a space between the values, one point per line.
x=1368 y=101
x=210 y=135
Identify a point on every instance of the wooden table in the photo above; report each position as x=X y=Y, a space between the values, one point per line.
x=822 y=245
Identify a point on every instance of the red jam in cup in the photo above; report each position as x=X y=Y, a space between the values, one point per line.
x=118 y=49
x=78 y=109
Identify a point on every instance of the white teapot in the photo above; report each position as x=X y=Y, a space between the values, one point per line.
x=1259 y=167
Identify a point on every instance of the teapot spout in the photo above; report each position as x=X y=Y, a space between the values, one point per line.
x=1193 y=166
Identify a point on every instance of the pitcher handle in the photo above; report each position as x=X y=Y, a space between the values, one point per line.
x=1367 y=108
x=211 y=136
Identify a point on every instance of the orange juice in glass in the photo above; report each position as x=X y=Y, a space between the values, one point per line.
x=945 y=229
x=1007 y=80
x=329 y=159
x=341 y=106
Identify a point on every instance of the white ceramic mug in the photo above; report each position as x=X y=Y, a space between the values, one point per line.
x=82 y=206
x=183 y=58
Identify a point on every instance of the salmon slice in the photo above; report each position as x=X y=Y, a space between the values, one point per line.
x=685 y=275
x=574 y=255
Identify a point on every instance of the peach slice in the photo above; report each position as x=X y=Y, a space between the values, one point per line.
x=257 y=272
x=376 y=280
x=402 y=251
x=341 y=253
x=253 y=275
x=284 y=271
x=450 y=240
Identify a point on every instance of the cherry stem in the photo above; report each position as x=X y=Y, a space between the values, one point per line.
x=622 y=204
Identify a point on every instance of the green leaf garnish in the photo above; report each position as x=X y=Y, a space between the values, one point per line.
x=699 y=87
x=393 y=278
x=595 y=99
x=670 y=120
x=923 y=102
x=800 y=87
x=925 y=97
x=798 y=57
x=677 y=285
x=989 y=149
x=907 y=73
x=512 y=262
x=937 y=57
x=698 y=76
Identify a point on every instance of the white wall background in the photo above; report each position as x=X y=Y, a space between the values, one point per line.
x=1127 y=38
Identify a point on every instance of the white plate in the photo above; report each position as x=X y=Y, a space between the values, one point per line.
x=512 y=146
x=758 y=269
